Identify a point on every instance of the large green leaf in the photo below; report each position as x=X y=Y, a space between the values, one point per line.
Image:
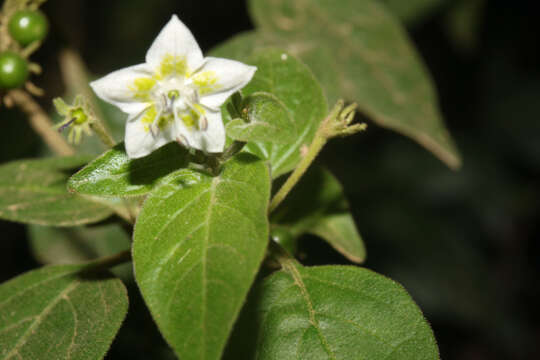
x=74 y=245
x=268 y=120
x=359 y=52
x=34 y=191
x=114 y=174
x=58 y=312
x=331 y=312
x=197 y=248
x=317 y=205
x=293 y=84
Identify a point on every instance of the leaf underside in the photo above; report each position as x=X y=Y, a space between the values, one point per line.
x=317 y=205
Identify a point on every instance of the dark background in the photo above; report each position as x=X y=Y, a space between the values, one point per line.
x=465 y=244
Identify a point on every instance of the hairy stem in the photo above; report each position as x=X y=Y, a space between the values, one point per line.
x=40 y=122
x=316 y=146
x=337 y=123
x=104 y=135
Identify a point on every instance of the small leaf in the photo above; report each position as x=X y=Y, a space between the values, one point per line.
x=268 y=121
x=197 y=248
x=34 y=191
x=340 y=231
x=114 y=174
x=57 y=312
x=317 y=205
x=293 y=84
x=79 y=244
x=332 y=312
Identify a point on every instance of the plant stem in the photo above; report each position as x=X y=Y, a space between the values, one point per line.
x=40 y=122
x=337 y=123
x=316 y=145
x=281 y=256
x=102 y=133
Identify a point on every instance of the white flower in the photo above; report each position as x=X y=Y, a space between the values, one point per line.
x=175 y=95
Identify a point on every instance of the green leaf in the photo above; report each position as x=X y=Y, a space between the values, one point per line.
x=340 y=231
x=359 y=52
x=79 y=244
x=332 y=312
x=268 y=121
x=293 y=84
x=317 y=205
x=196 y=251
x=58 y=312
x=114 y=174
x=239 y=47
x=34 y=191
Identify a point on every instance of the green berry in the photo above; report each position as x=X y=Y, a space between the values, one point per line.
x=27 y=26
x=13 y=70
x=79 y=115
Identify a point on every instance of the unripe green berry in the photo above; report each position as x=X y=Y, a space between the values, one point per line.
x=79 y=115
x=13 y=70
x=27 y=26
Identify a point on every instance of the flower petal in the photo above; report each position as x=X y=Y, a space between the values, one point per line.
x=219 y=78
x=142 y=137
x=211 y=140
x=126 y=88
x=175 y=50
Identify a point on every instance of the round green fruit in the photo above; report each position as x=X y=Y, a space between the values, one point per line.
x=27 y=26
x=13 y=70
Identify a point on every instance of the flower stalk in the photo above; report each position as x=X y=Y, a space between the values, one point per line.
x=337 y=124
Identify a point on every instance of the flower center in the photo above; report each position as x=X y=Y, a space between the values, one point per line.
x=173 y=94
x=79 y=116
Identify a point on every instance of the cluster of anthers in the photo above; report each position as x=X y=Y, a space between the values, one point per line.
x=175 y=95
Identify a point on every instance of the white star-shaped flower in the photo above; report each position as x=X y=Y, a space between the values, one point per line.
x=175 y=95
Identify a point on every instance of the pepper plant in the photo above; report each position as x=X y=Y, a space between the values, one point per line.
x=204 y=199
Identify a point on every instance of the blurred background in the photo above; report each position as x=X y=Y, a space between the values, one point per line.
x=464 y=244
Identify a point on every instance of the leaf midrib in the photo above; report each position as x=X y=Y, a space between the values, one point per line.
x=290 y=268
x=204 y=294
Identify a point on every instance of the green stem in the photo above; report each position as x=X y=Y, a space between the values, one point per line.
x=102 y=133
x=337 y=123
x=316 y=145
x=232 y=150
x=280 y=255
